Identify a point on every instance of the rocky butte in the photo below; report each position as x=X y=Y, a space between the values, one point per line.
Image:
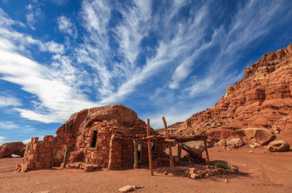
x=258 y=108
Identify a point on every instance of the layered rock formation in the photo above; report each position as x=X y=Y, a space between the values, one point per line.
x=262 y=99
x=8 y=149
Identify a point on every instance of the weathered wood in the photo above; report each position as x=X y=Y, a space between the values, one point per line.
x=179 y=151
x=165 y=126
x=135 y=154
x=65 y=157
x=149 y=148
x=171 y=161
x=110 y=161
x=206 y=150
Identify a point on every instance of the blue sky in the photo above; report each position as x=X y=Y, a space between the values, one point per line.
x=166 y=57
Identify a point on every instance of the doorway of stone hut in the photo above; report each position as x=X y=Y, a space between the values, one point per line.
x=93 y=139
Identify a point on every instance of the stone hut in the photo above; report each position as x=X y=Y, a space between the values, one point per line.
x=101 y=136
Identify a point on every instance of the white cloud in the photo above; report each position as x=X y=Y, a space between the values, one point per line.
x=3 y=140
x=8 y=125
x=59 y=84
x=53 y=85
x=9 y=101
x=6 y=21
x=60 y=98
x=65 y=26
x=33 y=13
x=251 y=22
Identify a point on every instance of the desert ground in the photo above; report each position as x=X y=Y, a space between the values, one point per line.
x=264 y=172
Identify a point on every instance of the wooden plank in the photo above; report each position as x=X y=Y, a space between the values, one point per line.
x=149 y=148
x=171 y=161
x=135 y=154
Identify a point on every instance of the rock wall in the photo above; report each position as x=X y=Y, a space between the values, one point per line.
x=87 y=137
x=38 y=154
x=262 y=99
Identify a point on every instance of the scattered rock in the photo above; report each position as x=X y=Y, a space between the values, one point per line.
x=278 y=146
x=129 y=188
x=221 y=142
x=234 y=142
x=15 y=156
x=91 y=167
x=254 y=145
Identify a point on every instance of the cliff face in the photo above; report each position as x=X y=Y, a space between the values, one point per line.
x=263 y=98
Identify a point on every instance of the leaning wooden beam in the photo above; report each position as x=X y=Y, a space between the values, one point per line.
x=206 y=150
x=149 y=148
x=171 y=161
x=135 y=154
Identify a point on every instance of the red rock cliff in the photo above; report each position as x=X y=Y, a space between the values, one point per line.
x=263 y=98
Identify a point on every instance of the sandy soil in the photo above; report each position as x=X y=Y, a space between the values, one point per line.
x=266 y=172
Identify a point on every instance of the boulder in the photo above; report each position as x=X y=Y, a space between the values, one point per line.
x=234 y=142
x=197 y=147
x=13 y=148
x=278 y=146
x=260 y=136
x=129 y=188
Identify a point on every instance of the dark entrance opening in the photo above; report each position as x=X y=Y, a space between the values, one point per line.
x=93 y=139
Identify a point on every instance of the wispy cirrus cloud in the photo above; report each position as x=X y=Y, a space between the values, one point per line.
x=134 y=49
x=9 y=101
x=65 y=26
x=8 y=125
x=33 y=10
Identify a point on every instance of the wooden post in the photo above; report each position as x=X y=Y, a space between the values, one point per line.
x=165 y=126
x=65 y=157
x=171 y=162
x=110 y=161
x=135 y=154
x=179 y=151
x=149 y=148
x=206 y=150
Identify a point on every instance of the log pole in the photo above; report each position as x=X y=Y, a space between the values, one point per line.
x=149 y=148
x=65 y=157
x=171 y=162
x=135 y=154
x=179 y=151
x=206 y=150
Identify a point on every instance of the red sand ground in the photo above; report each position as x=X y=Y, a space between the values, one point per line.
x=267 y=172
